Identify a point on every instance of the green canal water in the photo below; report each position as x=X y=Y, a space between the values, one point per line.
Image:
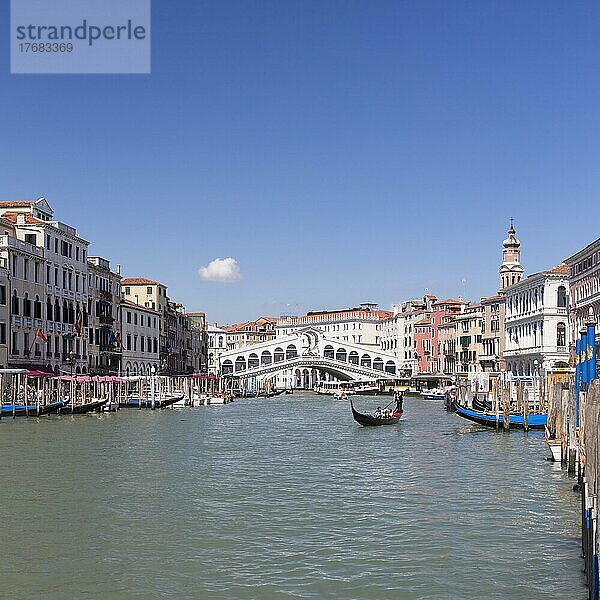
x=282 y=498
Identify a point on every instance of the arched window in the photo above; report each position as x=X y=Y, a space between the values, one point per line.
x=220 y=341
x=291 y=352
x=26 y=305
x=253 y=361
x=266 y=358
x=365 y=361
x=328 y=351
x=240 y=364
x=561 y=335
x=353 y=358
x=49 y=310
x=278 y=355
x=15 y=304
x=341 y=355
x=37 y=308
x=561 y=297
x=227 y=367
x=390 y=366
x=378 y=364
x=57 y=311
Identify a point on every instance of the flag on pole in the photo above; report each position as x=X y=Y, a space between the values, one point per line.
x=583 y=360
x=591 y=351
x=578 y=368
x=78 y=322
x=42 y=336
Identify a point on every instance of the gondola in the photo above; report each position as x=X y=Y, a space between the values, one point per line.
x=371 y=420
x=271 y=394
x=136 y=402
x=81 y=409
x=489 y=419
x=31 y=410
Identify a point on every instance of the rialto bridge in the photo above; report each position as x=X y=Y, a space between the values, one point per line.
x=305 y=358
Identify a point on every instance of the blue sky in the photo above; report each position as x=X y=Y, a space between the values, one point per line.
x=340 y=151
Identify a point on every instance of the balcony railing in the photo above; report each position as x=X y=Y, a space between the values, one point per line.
x=7 y=241
x=110 y=348
x=67 y=357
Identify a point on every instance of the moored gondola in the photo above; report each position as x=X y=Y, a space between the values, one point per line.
x=371 y=420
x=138 y=402
x=490 y=419
x=80 y=409
x=31 y=410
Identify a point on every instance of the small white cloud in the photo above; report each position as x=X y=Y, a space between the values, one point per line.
x=224 y=270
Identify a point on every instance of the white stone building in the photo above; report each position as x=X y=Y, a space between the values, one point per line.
x=48 y=272
x=362 y=325
x=397 y=332
x=104 y=329
x=537 y=323
x=140 y=334
x=468 y=332
x=584 y=283
x=217 y=344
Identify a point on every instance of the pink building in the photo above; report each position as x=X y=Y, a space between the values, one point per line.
x=443 y=314
x=423 y=340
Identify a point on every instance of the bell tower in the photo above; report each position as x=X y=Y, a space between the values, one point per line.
x=511 y=270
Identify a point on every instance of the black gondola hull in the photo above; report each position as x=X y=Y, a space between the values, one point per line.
x=371 y=421
x=83 y=408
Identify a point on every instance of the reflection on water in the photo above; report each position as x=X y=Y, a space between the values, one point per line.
x=283 y=497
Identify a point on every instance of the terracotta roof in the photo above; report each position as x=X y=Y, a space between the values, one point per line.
x=449 y=301
x=16 y=203
x=493 y=299
x=426 y=321
x=383 y=314
x=562 y=269
x=238 y=326
x=196 y=314
x=138 y=281
x=29 y=220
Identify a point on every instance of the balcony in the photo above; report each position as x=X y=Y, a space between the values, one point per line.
x=488 y=358
x=67 y=357
x=110 y=348
x=105 y=320
x=7 y=241
x=15 y=320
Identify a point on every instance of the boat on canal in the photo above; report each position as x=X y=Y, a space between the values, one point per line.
x=81 y=409
x=491 y=419
x=367 y=420
x=554 y=445
x=139 y=402
x=433 y=394
x=31 y=410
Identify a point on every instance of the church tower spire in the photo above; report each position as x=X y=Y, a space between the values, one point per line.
x=511 y=270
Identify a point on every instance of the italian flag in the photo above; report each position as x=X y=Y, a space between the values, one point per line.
x=42 y=336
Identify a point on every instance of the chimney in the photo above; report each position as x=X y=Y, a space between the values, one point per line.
x=20 y=219
x=118 y=269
